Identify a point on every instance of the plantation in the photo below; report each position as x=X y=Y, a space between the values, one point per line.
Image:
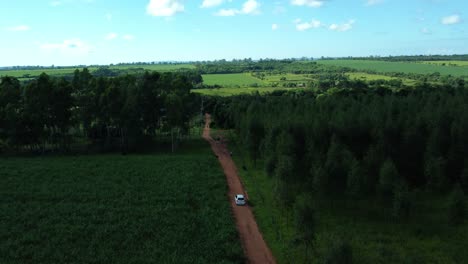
x=404 y=67
x=154 y=208
x=379 y=173
x=375 y=238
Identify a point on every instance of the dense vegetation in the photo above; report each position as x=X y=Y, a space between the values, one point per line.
x=112 y=113
x=388 y=151
x=154 y=208
x=422 y=134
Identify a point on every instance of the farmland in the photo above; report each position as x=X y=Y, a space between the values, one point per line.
x=373 y=77
x=250 y=81
x=154 y=208
x=232 y=80
x=405 y=67
x=453 y=63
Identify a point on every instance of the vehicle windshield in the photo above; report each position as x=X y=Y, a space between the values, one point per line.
x=240 y=198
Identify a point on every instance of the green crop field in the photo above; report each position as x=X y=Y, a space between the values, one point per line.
x=405 y=67
x=157 y=208
x=57 y=72
x=238 y=91
x=232 y=80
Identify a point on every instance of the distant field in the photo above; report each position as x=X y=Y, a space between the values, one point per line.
x=448 y=63
x=405 y=67
x=232 y=80
x=238 y=91
x=372 y=77
x=160 y=208
x=66 y=71
x=289 y=78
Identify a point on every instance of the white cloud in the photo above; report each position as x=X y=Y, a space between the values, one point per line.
x=128 y=37
x=227 y=12
x=311 y=3
x=211 y=3
x=164 y=8
x=111 y=36
x=373 y=2
x=19 y=28
x=343 y=27
x=70 y=46
x=250 y=7
x=274 y=27
x=451 y=20
x=306 y=25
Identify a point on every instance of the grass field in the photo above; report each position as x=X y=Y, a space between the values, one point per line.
x=232 y=80
x=238 y=91
x=158 y=208
x=426 y=237
x=405 y=67
x=371 y=77
x=289 y=78
x=66 y=71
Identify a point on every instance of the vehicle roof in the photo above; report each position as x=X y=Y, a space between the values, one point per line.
x=239 y=195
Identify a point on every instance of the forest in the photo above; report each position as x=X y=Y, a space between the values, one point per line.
x=110 y=113
x=359 y=145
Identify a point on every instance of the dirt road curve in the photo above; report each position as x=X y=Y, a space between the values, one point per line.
x=255 y=248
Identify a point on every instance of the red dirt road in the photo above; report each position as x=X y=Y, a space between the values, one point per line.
x=255 y=248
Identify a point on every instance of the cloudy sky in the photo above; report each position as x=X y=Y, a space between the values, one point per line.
x=72 y=32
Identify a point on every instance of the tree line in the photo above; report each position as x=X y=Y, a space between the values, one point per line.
x=120 y=113
x=414 y=58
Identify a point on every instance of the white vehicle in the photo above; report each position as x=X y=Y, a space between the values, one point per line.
x=240 y=199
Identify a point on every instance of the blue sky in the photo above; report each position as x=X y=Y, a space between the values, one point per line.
x=72 y=32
